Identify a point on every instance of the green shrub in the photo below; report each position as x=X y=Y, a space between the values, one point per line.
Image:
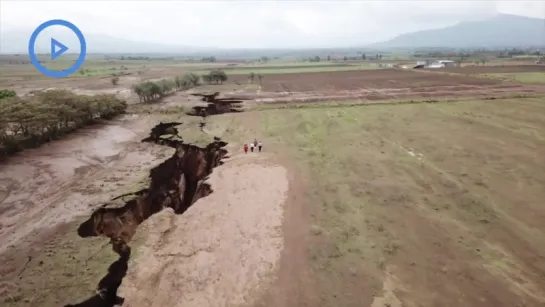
x=7 y=93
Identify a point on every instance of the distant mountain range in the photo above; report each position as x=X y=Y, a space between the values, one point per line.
x=17 y=42
x=500 y=31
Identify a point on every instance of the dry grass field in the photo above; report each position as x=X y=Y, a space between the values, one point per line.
x=421 y=204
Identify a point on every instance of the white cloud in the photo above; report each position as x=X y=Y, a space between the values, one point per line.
x=257 y=23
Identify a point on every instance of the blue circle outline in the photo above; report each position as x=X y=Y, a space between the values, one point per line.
x=54 y=73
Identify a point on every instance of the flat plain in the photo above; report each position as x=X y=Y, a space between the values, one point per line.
x=379 y=186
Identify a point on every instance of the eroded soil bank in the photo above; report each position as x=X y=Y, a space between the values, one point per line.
x=176 y=183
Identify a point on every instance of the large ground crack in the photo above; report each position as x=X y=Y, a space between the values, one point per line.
x=216 y=105
x=176 y=183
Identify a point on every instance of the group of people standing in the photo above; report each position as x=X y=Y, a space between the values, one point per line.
x=257 y=145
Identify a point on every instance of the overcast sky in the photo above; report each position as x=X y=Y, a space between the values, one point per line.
x=253 y=24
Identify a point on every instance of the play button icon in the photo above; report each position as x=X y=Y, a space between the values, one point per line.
x=57 y=49
x=57 y=52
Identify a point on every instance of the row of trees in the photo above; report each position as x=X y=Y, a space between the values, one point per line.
x=149 y=91
x=152 y=90
x=517 y=52
x=210 y=59
x=477 y=53
x=252 y=77
x=29 y=121
x=362 y=56
x=217 y=76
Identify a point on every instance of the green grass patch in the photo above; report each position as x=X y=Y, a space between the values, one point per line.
x=520 y=77
x=66 y=270
x=386 y=182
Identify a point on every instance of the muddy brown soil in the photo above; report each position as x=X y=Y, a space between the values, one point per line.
x=381 y=85
x=42 y=192
x=386 y=95
x=359 y=80
x=58 y=181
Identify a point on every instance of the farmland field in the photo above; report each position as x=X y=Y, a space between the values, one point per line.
x=296 y=69
x=522 y=77
x=376 y=187
x=422 y=204
x=379 y=79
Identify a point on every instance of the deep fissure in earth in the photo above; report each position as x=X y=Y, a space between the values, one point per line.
x=176 y=183
x=215 y=105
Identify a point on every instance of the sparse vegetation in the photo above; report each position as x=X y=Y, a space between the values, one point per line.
x=150 y=91
x=7 y=94
x=521 y=77
x=27 y=122
x=395 y=186
x=115 y=80
x=218 y=76
x=187 y=81
x=208 y=59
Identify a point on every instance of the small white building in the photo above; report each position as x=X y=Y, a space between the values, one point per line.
x=436 y=65
x=447 y=63
x=442 y=64
x=423 y=62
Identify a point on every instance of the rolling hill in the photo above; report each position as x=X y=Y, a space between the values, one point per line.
x=500 y=31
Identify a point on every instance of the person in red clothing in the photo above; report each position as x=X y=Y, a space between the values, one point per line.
x=245 y=148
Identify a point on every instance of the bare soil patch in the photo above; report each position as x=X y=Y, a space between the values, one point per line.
x=280 y=67
x=54 y=183
x=380 y=85
x=367 y=79
x=221 y=250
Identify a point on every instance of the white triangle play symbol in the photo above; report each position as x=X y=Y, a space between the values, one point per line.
x=57 y=49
